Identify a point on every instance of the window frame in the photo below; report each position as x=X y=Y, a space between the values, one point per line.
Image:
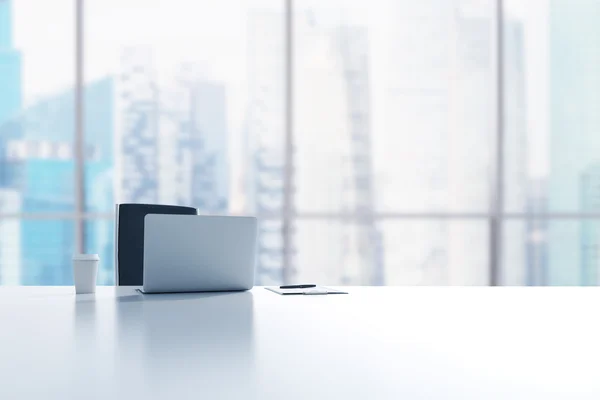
x=495 y=218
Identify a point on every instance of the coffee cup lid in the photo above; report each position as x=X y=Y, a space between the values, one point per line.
x=86 y=257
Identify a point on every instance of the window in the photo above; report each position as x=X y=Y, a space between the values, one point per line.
x=552 y=148
x=37 y=108
x=391 y=142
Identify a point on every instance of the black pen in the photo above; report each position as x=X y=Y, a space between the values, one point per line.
x=297 y=286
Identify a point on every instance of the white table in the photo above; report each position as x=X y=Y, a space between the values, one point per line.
x=375 y=343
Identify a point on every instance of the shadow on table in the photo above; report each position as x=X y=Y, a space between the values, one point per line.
x=137 y=296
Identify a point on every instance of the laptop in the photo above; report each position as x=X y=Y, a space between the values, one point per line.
x=192 y=253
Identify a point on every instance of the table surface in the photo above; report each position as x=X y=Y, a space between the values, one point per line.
x=375 y=343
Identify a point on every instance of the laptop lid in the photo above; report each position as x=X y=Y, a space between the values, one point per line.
x=189 y=253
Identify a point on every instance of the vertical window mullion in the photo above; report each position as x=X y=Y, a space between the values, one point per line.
x=288 y=179
x=79 y=176
x=496 y=220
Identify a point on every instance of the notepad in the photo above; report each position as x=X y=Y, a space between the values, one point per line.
x=318 y=290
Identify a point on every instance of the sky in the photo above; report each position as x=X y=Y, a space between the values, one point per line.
x=209 y=32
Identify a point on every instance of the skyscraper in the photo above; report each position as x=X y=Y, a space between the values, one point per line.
x=10 y=238
x=590 y=229
x=10 y=87
x=323 y=170
x=171 y=135
x=99 y=132
x=201 y=133
x=470 y=137
x=10 y=66
x=137 y=169
x=41 y=165
x=264 y=139
x=35 y=149
x=536 y=266
x=362 y=240
x=332 y=153
x=210 y=179
x=438 y=117
x=523 y=239
x=5 y=23
x=574 y=135
x=100 y=126
x=10 y=105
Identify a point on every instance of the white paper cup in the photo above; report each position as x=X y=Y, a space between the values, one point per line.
x=85 y=270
